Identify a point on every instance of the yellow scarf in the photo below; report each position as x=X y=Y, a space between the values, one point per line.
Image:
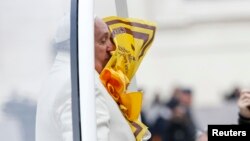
x=132 y=38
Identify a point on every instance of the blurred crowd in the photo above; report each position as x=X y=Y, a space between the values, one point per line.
x=171 y=120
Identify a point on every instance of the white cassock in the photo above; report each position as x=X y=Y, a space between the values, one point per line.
x=111 y=124
x=54 y=123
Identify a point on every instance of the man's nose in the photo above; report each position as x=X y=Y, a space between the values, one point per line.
x=111 y=46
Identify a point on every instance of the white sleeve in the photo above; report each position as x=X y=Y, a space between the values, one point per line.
x=64 y=117
x=102 y=117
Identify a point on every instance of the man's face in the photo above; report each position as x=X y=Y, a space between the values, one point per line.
x=103 y=45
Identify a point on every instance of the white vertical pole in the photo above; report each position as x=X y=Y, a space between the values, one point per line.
x=122 y=11
x=121 y=8
x=86 y=69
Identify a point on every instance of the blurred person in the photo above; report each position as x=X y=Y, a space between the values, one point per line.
x=244 y=107
x=156 y=116
x=54 y=117
x=243 y=104
x=180 y=127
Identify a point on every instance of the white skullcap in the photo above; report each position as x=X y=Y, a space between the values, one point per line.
x=63 y=30
x=62 y=37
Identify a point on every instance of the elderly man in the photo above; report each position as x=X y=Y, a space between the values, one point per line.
x=54 y=122
x=111 y=124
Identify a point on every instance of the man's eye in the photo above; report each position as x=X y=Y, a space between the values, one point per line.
x=103 y=41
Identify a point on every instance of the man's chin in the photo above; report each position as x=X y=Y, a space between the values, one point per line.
x=107 y=59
